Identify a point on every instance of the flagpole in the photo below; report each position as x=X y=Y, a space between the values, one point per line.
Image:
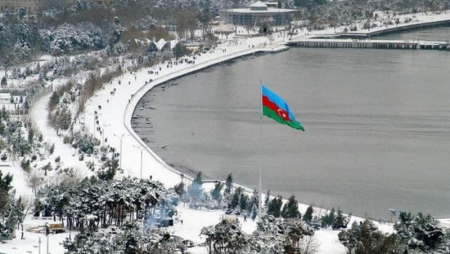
x=260 y=157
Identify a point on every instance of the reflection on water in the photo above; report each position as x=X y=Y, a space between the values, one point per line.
x=377 y=127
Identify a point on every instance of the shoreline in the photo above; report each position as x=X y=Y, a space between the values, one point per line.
x=160 y=170
x=132 y=105
x=182 y=168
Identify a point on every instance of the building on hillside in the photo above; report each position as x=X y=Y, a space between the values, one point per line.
x=259 y=12
x=5 y=98
x=33 y=6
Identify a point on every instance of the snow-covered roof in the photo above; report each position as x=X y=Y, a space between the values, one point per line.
x=160 y=44
x=5 y=96
x=258 y=4
x=273 y=10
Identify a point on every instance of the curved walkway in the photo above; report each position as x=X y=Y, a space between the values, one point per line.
x=117 y=110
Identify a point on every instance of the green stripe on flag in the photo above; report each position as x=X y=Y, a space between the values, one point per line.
x=272 y=114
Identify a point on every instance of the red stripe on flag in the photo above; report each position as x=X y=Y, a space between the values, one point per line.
x=272 y=106
x=268 y=103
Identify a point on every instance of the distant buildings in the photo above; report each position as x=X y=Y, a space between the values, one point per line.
x=260 y=12
x=33 y=6
x=5 y=98
x=14 y=104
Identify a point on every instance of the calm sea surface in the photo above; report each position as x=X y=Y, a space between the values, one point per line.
x=377 y=126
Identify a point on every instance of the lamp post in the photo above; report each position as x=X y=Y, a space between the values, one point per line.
x=120 y=138
x=142 y=150
x=47 y=232
x=103 y=132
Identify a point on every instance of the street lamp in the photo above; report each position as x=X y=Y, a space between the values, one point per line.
x=47 y=232
x=142 y=150
x=121 y=138
x=103 y=132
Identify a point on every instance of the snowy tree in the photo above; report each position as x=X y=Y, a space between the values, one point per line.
x=243 y=202
x=254 y=201
x=274 y=207
x=179 y=189
x=422 y=232
x=195 y=189
x=296 y=229
x=266 y=201
x=235 y=198
x=364 y=237
x=34 y=180
x=329 y=218
x=254 y=212
x=229 y=184
x=128 y=240
x=225 y=237
x=290 y=209
x=341 y=220
x=308 y=214
x=8 y=210
x=216 y=193
x=90 y=204
x=5 y=187
x=279 y=236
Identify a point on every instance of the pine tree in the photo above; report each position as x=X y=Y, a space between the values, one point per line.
x=195 y=190
x=30 y=135
x=235 y=199
x=254 y=212
x=5 y=187
x=2 y=128
x=47 y=167
x=290 y=209
x=266 y=202
x=229 y=184
x=243 y=202
x=179 y=189
x=274 y=207
x=254 y=200
x=216 y=193
x=340 y=221
x=199 y=179
x=324 y=221
x=5 y=181
x=308 y=214
x=332 y=217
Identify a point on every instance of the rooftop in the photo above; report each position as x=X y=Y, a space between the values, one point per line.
x=248 y=10
x=5 y=95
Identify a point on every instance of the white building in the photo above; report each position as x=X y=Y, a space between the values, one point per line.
x=5 y=98
x=260 y=11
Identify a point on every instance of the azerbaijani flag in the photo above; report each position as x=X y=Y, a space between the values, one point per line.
x=273 y=106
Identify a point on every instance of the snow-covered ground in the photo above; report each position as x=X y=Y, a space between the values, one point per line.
x=115 y=120
x=416 y=18
x=30 y=245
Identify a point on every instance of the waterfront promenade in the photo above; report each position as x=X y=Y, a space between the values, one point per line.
x=418 y=21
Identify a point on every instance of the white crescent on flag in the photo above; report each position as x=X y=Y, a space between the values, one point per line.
x=283 y=114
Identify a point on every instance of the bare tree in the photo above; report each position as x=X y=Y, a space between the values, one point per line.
x=308 y=245
x=34 y=180
x=69 y=177
x=186 y=22
x=27 y=203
